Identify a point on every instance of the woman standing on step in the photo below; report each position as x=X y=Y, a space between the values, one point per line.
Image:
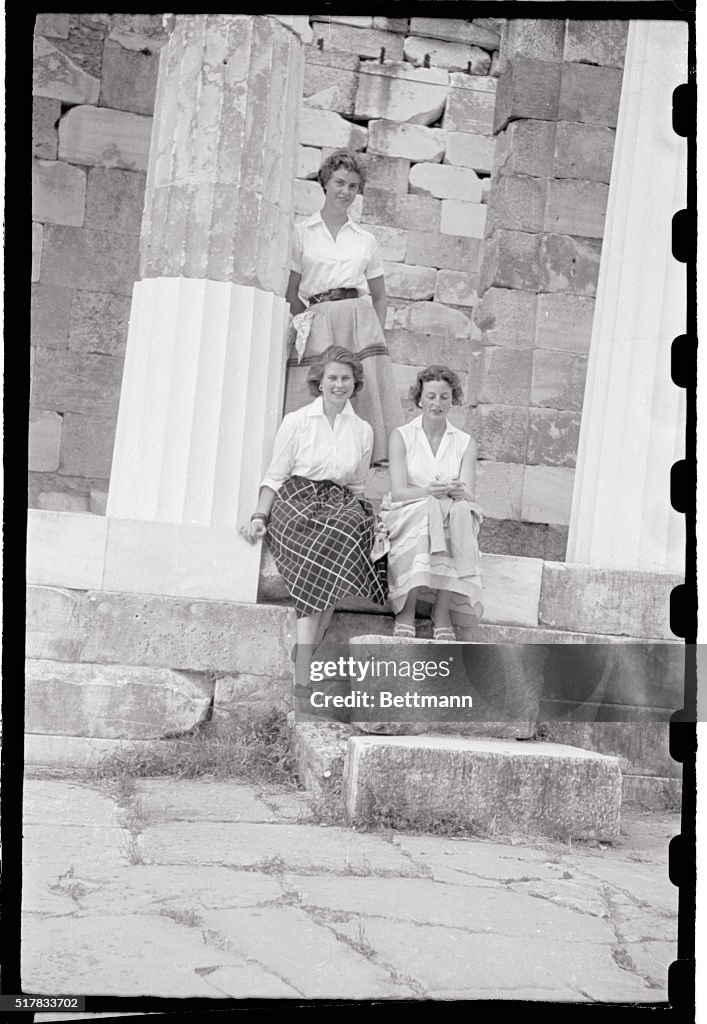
x=319 y=526
x=337 y=295
x=431 y=517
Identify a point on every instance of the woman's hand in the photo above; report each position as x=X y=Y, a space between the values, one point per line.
x=439 y=488
x=254 y=531
x=458 y=490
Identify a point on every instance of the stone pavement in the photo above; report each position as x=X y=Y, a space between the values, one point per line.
x=216 y=889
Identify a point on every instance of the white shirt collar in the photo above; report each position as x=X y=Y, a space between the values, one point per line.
x=417 y=423
x=316 y=408
x=316 y=218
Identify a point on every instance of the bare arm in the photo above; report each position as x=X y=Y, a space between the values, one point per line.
x=466 y=487
x=378 y=297
x=292 y=296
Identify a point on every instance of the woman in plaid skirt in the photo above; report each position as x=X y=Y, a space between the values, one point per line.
x=336 y=293
x=311 y=507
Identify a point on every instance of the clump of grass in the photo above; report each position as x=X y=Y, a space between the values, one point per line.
x=254 y=748
x=182 y=915
x=388 y=816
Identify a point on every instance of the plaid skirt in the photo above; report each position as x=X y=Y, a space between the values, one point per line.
x=320 y=537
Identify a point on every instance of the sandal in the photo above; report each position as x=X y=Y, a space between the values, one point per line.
x=443 y=634
x=404 y=631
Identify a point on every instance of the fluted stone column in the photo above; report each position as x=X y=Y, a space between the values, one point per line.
x=633 y=418
x=204 y=371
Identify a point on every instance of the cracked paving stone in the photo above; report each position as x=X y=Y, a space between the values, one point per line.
x=274 y=847
x=66 y=803
x=483 y=909
x=249 y=981
x=304 y=954
x=136 y=955
x=58 y=860
x=197 y=800
x=499 y=966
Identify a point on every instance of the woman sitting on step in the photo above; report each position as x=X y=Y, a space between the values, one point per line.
x=319 y=526
x=430 y=514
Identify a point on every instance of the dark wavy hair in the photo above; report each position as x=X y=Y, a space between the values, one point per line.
x=341 y=158
x=335 y=354
x=437 y=373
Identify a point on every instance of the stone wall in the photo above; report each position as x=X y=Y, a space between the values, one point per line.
x=93 y=92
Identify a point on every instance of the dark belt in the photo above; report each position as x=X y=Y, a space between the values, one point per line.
x=333 y=294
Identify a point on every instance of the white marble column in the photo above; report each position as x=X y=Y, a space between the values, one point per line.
x=633 y=418
x=204 y=371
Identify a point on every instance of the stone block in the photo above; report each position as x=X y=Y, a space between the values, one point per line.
x=114 y=200
x=553 y=438
x=112 y=701
x=453 y=56
x=467 y=150
x=416 y=349
x=401 y=25
x=564 y=322
x=556 y=543
x=58 y=77
x=621 y=602
x=97 y=502
x=98 y=136
x=50 y=310
x=239 y=693
x=58 y=192
x=432 y=318
x=326 y=128
x=44 y=441
x=37 y=244
x=456 y=288
x=499 y=488
x=399 y=92
x=330 y=58
x=583 y=151
x=569 y=264
x=92 y=260
x=510 y=537
x=446 y=252
x=409 y=141
x=87 y=446
x=511 y=260
x=128 y=78
x=65 y=549
x=445 y=182
x=596 y=42
x=558 y=379
x=576 y=207
x=505 y=375
x=330 y=88
x=473 y=83
x=460 y=218
x=391 y=242
x=517 y=202
x=541 y=38
x=307 y=197
x=73 y=382
x=470 y=110
x=56 y=25
x=542 y=789
x=511 y=589
x=589 y=94
x=360 y=22
x=547 y=494
x=63 y=501
x=456 y=30
x=45 y=115
x=388 y=173
x=506 y=316
x=365 y=42
x=529 y=88
x=526 y=147
x=401 y=211
x=309 y=160
x=408 y=282
x=99 y=323
x=501 y=431
x=139 y=31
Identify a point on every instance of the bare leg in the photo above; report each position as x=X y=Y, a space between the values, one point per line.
x=306 y=632
x=440 y=613
x=406 y=615
x=324 y=623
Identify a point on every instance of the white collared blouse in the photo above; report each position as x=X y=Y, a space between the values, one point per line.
x=324 y=262
x=423 y=466
x=306 y=445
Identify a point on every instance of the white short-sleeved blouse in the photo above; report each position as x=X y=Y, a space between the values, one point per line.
x=422 y=465
x=324 y=262
x=306 y=445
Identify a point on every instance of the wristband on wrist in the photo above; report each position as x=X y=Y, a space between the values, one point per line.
x=261 y=516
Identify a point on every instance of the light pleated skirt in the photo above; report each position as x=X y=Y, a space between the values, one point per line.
x=411 y=564
x=353 y=324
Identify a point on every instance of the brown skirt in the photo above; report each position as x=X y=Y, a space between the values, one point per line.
x=353 y=324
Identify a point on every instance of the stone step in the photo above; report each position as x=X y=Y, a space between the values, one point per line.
x=515 y=788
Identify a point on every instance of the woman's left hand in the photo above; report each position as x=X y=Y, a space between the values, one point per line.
x=458 y=490
x=254 y=531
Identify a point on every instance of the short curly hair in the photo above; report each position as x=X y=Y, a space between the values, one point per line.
x=345 y=158
x=335 y=354
x=437 y=373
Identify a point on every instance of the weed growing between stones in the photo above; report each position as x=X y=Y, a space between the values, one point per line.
x=255 y=749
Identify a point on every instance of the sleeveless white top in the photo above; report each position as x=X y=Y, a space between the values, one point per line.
x=422 y=465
